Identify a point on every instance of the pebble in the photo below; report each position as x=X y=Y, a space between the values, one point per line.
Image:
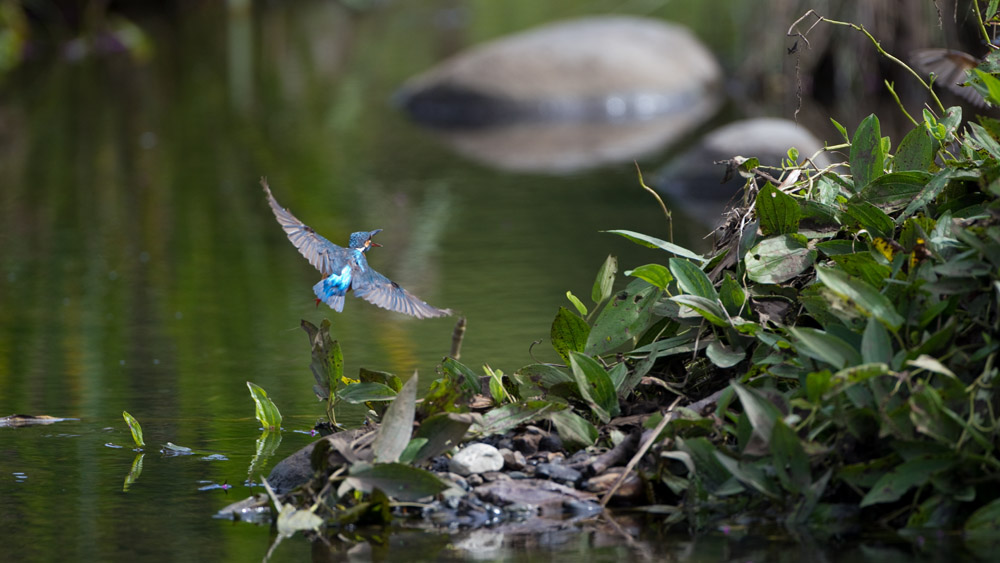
x=558 y=473
x=476 y=458
x=513 y=460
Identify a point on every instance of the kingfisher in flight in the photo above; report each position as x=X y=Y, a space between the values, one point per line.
x=346 y=269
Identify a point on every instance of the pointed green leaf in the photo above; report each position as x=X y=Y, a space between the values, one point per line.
x=398 y=481
x=790 y=460
x=871 y=218
x=397 y=424
x=502 y=419
x=893 y=191
x=875 y=343
x=862 y=296
x=691 y=279
x=135 y=428
x=580 y=307
x=915 y=152
x=626 y=316
x=356 y=393
x=605 y=279
x=761 y=412
x=595 y=386
x=712 y=311
x=442 y=432
x=569 y=333
x=731 y=295
x=265 y=410
x=778 y=212
x=459 y=372
x=825 y=347
x=573 y=429
x=653 y=242
x=724 y=356
x=867 y=158
x=984 y=522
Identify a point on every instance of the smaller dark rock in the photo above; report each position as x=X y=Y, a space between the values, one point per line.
x=527 y=443
x=581 y=508
x=550 y=443
x=513 y=460
x=558 y=473
x=494 y=476
x=518 y=475
x=475 y=480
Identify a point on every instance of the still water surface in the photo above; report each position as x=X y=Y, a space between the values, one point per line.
x=141 y=269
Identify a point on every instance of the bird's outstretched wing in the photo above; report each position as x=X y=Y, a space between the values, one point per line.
x=321 y=253
x=379 y=290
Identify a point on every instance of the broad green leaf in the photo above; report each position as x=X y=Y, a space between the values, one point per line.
x=893 y=485
x=691 y=279
x=653 y=242
x=929 y=192
x=655 y=274
x=930 y=364
x=390 y=380
x=398 y=481
x=790 y=460
x=569 y=333
x=987 y=85
x=459 y=372
x=871 y=218
x=580 y=307
x=595 y=386
x=749 y=474
x=502 y=419
x=410 y=452
x=356 y=393
x=265 y=410
x=724 y=356
x=135 y=428
x=397 y=424
x=867 y=158
x=327 y=364
x=626 y=316
x=875 y=343
x=825 y=347
x=761 y=412
x=713 y=475
x=617 y=375
x=862 y=295
x=544 y=375
x=779 y=259
x=777 y=211
x=731 y=295
x=573 y=429
x=442 y=432
x=893 y=191
x=864 y=265
x=915 y=152
x=605 y=279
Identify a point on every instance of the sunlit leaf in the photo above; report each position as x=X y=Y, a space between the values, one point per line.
x=712 y=311
x=655 y=274
x=871 y=218
x=135 y=428
x=397 y=424
x=265 y=410
x=580 y=307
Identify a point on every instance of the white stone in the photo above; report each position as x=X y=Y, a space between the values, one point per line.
x=476 y=458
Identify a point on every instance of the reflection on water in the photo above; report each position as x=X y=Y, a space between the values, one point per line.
x=141 y=270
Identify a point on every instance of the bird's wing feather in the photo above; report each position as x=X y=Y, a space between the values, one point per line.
x=321 y=253
x=379 y=290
